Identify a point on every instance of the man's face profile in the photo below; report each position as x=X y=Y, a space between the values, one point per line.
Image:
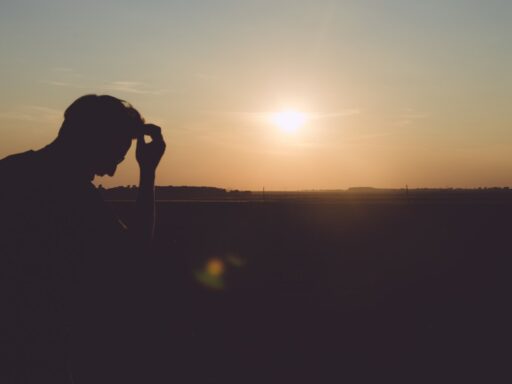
x=109 y=154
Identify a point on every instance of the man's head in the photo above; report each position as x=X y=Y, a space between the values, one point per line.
x=99 y=129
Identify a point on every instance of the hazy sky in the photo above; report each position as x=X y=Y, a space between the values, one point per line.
x=397 y=91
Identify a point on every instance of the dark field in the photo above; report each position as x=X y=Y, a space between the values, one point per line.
x=321 y=291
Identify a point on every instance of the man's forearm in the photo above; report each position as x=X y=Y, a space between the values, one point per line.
x=148 y=156
x=145 y=207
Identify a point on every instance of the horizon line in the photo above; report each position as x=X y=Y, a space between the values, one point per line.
x=360 y=188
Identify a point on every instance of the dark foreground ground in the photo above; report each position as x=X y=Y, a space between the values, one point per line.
x=319 y=291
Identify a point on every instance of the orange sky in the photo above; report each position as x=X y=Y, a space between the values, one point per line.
x=395 y=93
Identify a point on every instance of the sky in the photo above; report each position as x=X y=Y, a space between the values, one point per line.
x=393 y=92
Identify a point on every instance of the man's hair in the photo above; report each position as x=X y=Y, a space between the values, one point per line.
x=92 y=116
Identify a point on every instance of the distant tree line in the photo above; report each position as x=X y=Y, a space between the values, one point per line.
x=162 y=193
x=176 y=193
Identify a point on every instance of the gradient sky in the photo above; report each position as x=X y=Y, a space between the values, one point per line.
x=399 y=91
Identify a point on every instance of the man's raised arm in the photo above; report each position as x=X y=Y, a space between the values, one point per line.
x=148 y=156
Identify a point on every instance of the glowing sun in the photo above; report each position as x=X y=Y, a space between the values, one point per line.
x=289 y=120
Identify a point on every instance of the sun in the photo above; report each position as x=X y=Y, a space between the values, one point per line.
x=289 y=120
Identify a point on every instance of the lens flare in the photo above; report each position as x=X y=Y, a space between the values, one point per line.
x=215 y=267
x=211 y=274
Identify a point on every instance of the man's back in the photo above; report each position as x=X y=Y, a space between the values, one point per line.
x=51 y=226
x=33 y=332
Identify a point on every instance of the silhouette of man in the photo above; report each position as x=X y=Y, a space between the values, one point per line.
x=61 y=249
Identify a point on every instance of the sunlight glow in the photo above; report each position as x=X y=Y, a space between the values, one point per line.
x=289 y=120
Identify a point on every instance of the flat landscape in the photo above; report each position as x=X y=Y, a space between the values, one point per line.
x=303 y=288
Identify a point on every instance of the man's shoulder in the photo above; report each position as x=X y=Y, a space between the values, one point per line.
x=16 y=161
x=17 y=157
x=22 y=173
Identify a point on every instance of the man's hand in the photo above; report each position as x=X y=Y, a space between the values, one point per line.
x=148 y=155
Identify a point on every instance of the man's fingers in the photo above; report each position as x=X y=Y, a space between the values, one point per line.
x=140 y=141
x=153 y=131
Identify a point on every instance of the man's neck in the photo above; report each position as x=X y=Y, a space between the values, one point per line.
x=68 y=161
